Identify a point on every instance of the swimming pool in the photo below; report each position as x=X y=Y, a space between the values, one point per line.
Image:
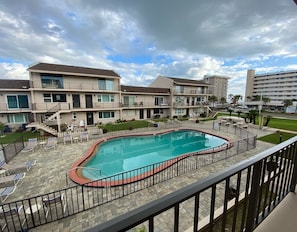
x=126 y=153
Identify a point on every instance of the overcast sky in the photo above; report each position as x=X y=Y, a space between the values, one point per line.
x=141 y=40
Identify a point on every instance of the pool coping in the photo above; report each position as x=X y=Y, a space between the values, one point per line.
x=75 y=173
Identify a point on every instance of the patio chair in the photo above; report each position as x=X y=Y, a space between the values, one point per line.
x=51 y=143
x=31 y=145
x=84 y=136
x=67 y=138
x=54 y=204
x=6 y=192
x=5 y=181
x=13 y=168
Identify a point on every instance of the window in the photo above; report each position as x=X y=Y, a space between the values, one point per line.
x=129 y=100
x=179 y=89
x=16 y=118
x=105 y=84
x=47 y=97
x=159 y=101
x=52 y=81
x=179 y=111
x=105 y=98
x=17 y=102
x=106 y=114
x=158 y=111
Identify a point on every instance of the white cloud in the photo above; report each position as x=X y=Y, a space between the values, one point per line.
x=183 y=39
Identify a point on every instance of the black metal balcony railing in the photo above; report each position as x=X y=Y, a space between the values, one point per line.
x=256 y=186
x=33 y=212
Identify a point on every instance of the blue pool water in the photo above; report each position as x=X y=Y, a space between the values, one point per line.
x=128 y=153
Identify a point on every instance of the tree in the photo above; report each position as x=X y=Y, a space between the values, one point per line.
x=234 y=98
x=265 y=100
x=223 y=100
x=268 y=118
x=252 y=116
x=212 y=98
x=230 y=111
x=287 y=102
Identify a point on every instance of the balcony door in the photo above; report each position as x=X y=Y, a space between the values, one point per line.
x=89 y=101
x=75 y=101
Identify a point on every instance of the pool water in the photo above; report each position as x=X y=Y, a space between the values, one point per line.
x=124 y=154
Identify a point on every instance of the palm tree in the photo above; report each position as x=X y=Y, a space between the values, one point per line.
x=237 y=98
x=287 y=102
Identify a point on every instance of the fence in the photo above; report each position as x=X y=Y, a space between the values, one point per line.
x=35 y=211
x=237 y=199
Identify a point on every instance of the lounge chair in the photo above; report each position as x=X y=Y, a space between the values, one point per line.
x=31 y=145
x=6 y=192
x=51 y=143
x=54 y=203
x=5 y=181
x=67 y=138
x=84 y=136
x=12 y=168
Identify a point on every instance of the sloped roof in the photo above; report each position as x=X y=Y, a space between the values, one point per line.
x=14 y=84
x=125 y=88
x=58 y=68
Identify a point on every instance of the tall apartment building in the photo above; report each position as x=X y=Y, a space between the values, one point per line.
x=219 y=85
x=275 y=86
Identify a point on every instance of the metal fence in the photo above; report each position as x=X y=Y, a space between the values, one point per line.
x=42 y=209
x=237 y=199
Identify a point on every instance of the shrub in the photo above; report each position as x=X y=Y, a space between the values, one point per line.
x=104 y=130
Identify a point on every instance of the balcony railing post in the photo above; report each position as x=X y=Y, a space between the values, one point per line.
x=252 y=202
x=294 y=177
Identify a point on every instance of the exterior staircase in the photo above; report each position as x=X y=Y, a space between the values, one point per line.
x=42 y=126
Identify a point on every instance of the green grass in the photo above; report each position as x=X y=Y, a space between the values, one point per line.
x=11 y=137
x=283 y=124
x=125 y=125
x=275 y=137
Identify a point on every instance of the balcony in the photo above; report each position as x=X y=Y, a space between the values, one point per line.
x=237 y=199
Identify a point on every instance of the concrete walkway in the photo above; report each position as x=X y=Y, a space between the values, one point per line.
x=50 y=174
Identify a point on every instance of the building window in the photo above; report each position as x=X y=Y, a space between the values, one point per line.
x=105 y=84
x=17 y=102
x=47 y=97
x=158 y=111
x=106 y=114
x=179 y=89
x=159 y=101
x=129 y=100
x=105 y=98
x=52 y=81
x=16 y=118
x=179 y=111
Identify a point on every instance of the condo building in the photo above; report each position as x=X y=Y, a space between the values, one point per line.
x=62 y=94
x=275 y=86
x=218 y=85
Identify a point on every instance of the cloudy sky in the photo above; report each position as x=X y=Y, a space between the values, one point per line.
x=141 y=39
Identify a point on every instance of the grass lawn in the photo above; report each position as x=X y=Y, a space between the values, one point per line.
x=125 y=125
x=283 y=124
x=275 y=137
x=13 y=136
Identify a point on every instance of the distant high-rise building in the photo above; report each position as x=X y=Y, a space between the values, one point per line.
x=277 y=86
x=219 y=85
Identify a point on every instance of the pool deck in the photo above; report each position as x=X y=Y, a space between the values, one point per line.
x=49 y=175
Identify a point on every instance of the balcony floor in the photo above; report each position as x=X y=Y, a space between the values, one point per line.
x=283 y=217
